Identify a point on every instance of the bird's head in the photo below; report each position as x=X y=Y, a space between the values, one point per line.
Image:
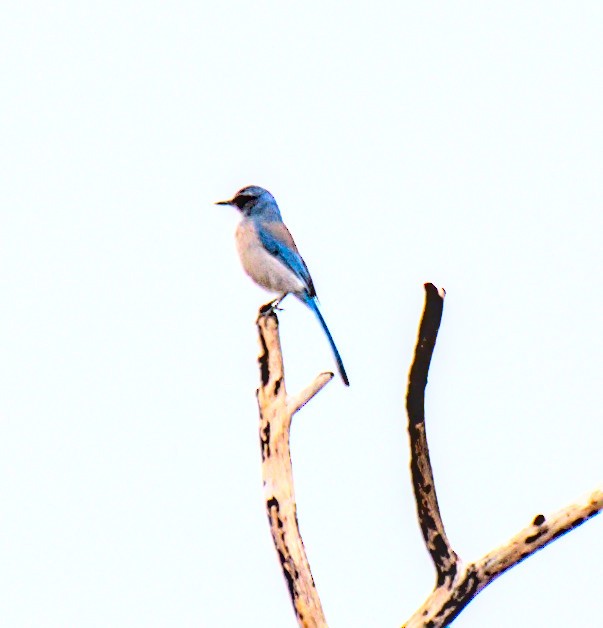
x=254 y=201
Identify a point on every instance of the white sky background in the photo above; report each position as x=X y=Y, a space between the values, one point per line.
x=445 y=142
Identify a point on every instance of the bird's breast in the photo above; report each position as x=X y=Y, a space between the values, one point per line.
x=263 y=267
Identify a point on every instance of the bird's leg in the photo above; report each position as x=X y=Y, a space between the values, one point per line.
x=277 y=302
x=272 y=306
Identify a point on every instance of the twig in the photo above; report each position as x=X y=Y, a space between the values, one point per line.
x=276 y=413
x=458 y=584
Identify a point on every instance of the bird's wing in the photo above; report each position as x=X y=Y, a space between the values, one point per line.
x=277 y=240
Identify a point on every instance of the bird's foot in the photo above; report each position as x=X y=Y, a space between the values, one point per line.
x=271 y=307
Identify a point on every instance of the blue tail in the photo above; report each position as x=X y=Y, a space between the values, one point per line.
x=311 y=303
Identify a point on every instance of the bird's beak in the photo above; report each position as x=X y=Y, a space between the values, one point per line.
x=223 y=203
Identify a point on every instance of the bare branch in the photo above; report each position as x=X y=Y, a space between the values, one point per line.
x=442 y=554
x=276 y=412
x=457 y=584
x=446 y=602
x=536 y=536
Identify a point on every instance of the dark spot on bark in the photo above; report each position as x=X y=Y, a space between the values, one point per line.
x=533 y=537
x=277 y=385
x=270 y=504
x=266 y=308
x=573 y=525
x=464 y=593
x=538 y=520
x=265 y=440
x=263 y=362
x=287 y=574
x=440 y=545
x=427 y=522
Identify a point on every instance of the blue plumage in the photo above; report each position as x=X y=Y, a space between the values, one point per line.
x=285 y=254
x=270 y=257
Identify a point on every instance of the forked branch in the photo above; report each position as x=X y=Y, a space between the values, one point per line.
x=276 y=413
x=457 y=584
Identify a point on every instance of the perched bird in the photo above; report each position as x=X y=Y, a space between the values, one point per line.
x=270 y=257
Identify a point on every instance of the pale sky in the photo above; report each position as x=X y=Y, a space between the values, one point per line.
x=458 y=143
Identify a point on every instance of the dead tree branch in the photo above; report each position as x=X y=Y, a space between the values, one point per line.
x=276 y=413
x=457 y=584
x=443 y=556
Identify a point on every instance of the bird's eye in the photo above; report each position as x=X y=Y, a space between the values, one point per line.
x=241 y=200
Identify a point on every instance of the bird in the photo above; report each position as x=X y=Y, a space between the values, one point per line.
x=269 y=255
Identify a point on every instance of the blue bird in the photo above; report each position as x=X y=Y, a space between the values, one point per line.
x=270 y=257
